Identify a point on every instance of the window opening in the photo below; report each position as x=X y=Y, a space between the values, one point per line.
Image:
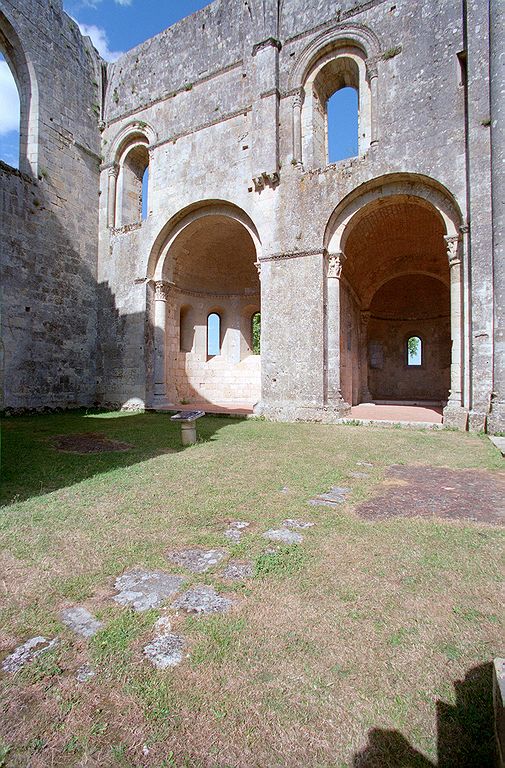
x=9 y=116
x=414 y=351
x=213 y=335
x=256 y=333
x=342 y=116
x=145 y=192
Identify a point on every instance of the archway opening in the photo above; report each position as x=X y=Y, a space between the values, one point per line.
x=9 y=116
x=214 y=292
x=395 y=305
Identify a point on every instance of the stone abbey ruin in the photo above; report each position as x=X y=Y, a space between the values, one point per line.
x=349 y=263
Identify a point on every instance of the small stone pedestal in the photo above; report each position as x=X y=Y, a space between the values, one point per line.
x=188 y=425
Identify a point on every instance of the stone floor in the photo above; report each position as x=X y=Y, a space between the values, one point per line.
x=397 y=412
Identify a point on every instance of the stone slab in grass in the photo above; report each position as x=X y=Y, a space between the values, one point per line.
x=85 y=673
x=293 y=523
x=335 y=495
x=202 y=599
x=284 y=535
x=142 y=590
x=80 y=621
x=88 y=442
x=197 y=560
x=451 y=494
x=237 y=571
x=165 y=651
x=27 y=652
x=359 y=475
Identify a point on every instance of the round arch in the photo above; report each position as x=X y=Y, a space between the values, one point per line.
x=134 y=133
x=24 y=75
x=422 y=190
x=178 y=223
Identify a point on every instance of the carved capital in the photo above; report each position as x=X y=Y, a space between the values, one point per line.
x=365 y=318
x=298 y=99
x=335 y=264
x=161 y=290
x=114 y=170
x=371 y=68
x=257 y=264
x=452 y=243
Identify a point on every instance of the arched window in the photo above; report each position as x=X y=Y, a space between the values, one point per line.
x=342 y=120
x=132 y=182
x=9 y=116
x=336 y=113
x=256 y=333
x=414 y=351
x=19 y=104
x=213 y=335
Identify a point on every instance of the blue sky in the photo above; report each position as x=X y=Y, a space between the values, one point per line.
x=116 y=26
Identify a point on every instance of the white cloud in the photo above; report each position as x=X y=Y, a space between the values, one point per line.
x=123 y=2
x=9 y=100
x=99 y=39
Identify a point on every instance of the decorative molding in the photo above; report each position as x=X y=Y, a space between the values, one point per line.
x=257 y=264
x=335 y=264
x=293 y=255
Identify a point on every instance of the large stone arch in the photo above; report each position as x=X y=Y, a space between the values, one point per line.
x=418 y=225
x=205 y=260
x=24 y=75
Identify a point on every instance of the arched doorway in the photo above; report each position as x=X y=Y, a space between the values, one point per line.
x=399 y=287
x=207 y=292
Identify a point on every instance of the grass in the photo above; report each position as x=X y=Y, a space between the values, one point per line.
x=369 y=642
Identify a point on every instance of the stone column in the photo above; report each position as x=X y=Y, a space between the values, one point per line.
x=373 y=79
x=160 y=342
x=366 y=397
x=454 y=414
x=111 y=195
x=335 y=262
x=297 y=127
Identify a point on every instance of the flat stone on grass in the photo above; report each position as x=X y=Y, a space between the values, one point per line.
x=237 y=571
x=202 y=599
x=27 y=652
x=146 y=589
x=335 y=495
x=284 y=535
x=197 y=560
x=80 y=621
x=85 y=673
x=359 y=475
x=165 y=651
x=293 y=523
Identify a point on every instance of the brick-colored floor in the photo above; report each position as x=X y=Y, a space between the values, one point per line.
x=431 y=413
x=392 y=412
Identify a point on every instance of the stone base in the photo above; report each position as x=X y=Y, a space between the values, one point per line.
x=455 y=417
x=496 y=418
x=292 y=411
x=477 y=421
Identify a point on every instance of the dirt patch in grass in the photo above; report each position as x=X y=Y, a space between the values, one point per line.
x=88 y=442
x=439 y=492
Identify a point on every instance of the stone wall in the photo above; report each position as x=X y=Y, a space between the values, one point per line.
x=49 y=212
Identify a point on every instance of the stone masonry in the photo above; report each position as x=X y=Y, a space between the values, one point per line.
x=226 y=112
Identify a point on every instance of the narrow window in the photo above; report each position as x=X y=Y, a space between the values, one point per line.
x=414 y=351
x=145 y=192
x=213 y=335
x=256 y=333
x=134 y=180
x=342 y=111
x=9 y=116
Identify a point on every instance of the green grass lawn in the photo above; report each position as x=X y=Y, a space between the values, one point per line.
x=367 y=645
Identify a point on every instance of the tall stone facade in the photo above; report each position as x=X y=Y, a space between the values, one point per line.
x=218 y=129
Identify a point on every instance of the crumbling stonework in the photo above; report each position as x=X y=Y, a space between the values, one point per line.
x=227 y=112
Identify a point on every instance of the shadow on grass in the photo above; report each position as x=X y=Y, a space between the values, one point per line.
x=32 y=466
x=465 y=732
